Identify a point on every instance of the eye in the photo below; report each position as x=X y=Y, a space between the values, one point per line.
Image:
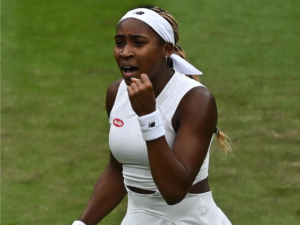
x=139 y=43
x=119 y=43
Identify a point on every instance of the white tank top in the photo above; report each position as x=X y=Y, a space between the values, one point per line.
x=125 y=137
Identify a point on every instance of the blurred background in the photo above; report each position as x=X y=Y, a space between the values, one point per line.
x=57 y=63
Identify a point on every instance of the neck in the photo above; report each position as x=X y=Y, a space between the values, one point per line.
x=160 y=80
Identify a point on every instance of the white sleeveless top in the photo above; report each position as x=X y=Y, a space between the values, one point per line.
x=125 y=137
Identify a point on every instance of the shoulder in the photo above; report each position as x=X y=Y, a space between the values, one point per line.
x=198 y=107
x=111 y=95
x=198 y=97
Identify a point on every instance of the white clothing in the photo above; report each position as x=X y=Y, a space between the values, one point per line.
x=154 y=20
x=194 y=209
x=129 y=148
x=125 y=137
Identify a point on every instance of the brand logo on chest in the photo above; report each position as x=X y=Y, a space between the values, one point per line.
x=118 y=122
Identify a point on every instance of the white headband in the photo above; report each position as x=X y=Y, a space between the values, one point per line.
x=163 y=29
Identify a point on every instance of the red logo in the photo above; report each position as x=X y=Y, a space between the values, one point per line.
x=118 y=123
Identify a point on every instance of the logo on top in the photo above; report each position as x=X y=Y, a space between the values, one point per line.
x=139 y=13
x=118 y=122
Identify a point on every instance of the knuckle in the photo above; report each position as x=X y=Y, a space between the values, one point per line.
x=148 y=86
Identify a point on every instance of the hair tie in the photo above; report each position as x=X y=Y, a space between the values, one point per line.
x=217 y=131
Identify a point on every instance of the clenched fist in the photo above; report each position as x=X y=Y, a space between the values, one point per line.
x=141 y=96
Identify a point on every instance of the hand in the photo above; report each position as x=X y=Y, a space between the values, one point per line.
x=141 y=95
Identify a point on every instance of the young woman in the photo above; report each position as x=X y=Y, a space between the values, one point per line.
x=162 y=125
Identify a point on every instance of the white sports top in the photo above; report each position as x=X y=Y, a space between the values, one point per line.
x=125 y=137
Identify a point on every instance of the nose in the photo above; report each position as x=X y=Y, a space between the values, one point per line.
x=127 y=52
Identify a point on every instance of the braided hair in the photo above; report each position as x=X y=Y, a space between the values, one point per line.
x=223 y=140
x=177 y=49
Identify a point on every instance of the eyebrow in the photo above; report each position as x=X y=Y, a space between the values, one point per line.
x=132 y=36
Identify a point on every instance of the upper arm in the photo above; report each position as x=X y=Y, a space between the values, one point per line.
x=111 y=95
x=197 y=119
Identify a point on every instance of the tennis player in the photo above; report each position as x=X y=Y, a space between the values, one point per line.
x=162 y=124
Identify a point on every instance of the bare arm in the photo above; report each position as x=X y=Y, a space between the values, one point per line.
x=108 y=193
x=181 y=164
x=109 y=190
x=174 y=170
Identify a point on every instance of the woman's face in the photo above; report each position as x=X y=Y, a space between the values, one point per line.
x=138 y=49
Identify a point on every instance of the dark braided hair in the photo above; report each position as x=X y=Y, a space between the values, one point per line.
x=177 y=49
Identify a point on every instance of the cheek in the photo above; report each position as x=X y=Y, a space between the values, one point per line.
x=117 y=56
x=152 y=54
x=115 y=53
x=155 y=56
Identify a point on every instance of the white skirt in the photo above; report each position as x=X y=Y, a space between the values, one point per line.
x=194 y=209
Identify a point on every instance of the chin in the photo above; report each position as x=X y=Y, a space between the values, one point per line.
x=127 y=80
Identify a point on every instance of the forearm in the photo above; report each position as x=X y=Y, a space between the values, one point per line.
x=108 y=193
x=169 y=174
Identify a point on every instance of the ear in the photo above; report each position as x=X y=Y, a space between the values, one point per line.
x=168 y=49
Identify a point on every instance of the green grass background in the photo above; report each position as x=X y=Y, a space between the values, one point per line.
x=57 y=62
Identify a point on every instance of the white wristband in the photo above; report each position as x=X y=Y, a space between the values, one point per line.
x=151 y=126
x=77 y=222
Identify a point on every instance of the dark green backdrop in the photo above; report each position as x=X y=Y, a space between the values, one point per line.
x=57 y=63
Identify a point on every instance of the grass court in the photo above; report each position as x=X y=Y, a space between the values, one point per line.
x=57 y=62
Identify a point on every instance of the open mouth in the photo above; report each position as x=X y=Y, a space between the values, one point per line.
x=129 y=70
